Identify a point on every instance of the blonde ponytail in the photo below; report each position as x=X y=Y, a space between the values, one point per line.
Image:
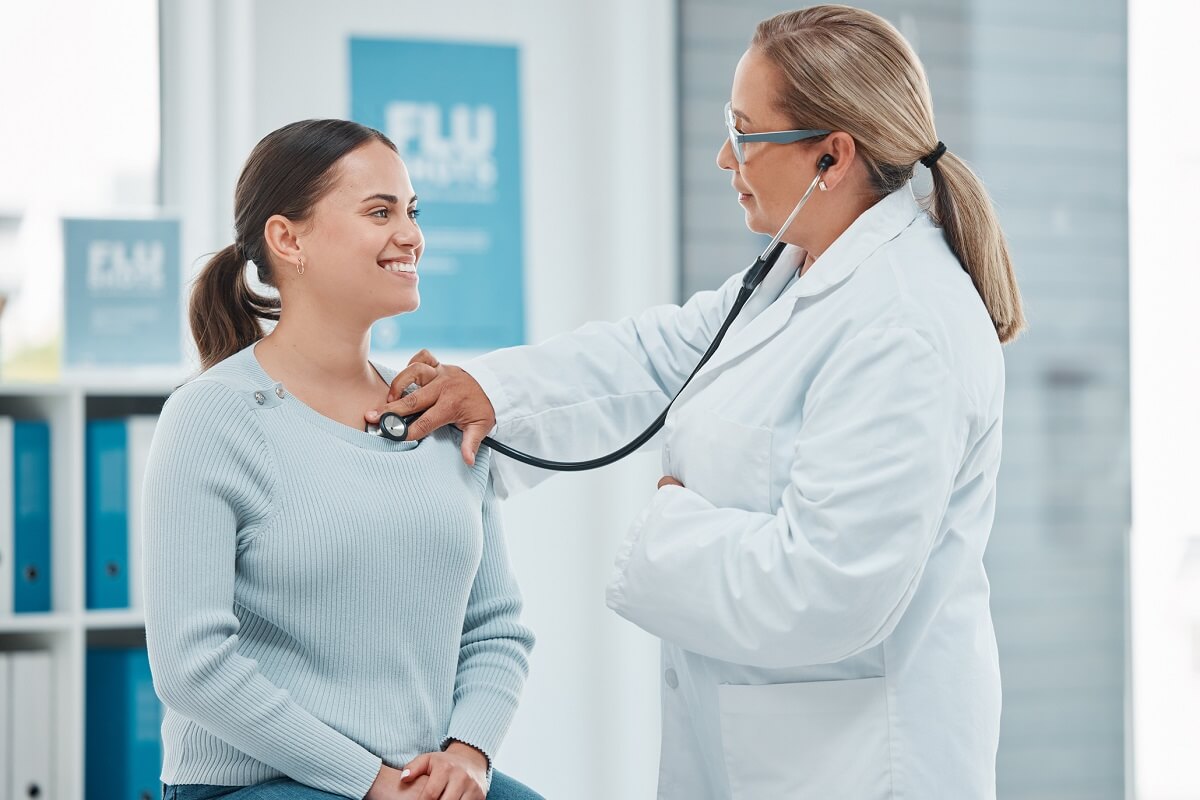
x=963 y=210
x=845 y=69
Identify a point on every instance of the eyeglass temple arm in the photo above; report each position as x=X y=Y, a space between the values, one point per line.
x=780 y=137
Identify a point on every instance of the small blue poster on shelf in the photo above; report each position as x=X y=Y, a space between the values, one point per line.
x=122 y=287
x=458 y=130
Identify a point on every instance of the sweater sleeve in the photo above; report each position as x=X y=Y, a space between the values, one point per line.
x=208 y=492
x=493 y=658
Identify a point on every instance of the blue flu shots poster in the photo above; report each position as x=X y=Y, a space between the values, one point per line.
x=122 y=293
x=453 y=111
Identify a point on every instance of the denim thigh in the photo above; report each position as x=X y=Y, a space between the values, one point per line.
x=505 y=788
x=276 y=789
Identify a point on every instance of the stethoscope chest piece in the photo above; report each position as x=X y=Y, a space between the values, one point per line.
x=391 y=426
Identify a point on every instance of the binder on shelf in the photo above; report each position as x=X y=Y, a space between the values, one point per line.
x=107 y=514
x=25 y=503
x=124 y=718
x=117 y=451
x=8 y=538
x=31 y=708
x=32 y=502
x=6 y=725
x=139 y=434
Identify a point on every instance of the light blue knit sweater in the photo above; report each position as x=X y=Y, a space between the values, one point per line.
x=318 y=598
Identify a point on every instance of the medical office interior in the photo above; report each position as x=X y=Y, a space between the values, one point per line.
x=1079 y=115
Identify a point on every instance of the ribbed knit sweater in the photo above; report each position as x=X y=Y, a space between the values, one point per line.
x=318 y=598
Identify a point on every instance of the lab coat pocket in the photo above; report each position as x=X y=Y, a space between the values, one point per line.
x=725 y=462
x=807 y=741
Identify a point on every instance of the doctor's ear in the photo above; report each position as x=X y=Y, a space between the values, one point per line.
x=837 y=150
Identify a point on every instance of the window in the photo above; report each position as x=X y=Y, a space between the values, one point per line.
x=80 y=137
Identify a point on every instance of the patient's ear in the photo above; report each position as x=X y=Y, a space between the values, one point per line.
x=282 y=239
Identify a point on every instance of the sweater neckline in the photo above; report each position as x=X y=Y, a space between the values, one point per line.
x=358 y=438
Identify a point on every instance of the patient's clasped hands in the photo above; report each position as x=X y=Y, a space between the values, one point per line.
x=458 y=773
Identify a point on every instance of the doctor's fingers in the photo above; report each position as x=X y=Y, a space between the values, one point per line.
x=418 y=372
x=424 y=357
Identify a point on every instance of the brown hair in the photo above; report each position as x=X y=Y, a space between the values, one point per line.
x=850 y=70
x=287 y=173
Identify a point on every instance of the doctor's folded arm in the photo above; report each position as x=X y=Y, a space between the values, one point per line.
x=813 y=557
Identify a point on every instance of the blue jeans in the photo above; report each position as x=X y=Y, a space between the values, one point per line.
x=503 y=788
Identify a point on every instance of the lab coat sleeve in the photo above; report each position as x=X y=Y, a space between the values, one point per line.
x=493 y=659
x=208 y=491
x=830 y=573
x=582 y=394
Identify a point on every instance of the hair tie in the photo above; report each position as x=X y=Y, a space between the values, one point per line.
x=932 y=158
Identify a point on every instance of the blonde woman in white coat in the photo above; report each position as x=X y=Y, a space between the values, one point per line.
x=813 y=558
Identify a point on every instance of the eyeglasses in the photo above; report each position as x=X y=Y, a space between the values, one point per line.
x=737 y=138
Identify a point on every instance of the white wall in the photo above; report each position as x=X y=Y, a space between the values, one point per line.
x=598 y=138
x=1165 y=348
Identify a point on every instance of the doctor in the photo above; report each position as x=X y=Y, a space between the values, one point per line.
x=813 y=558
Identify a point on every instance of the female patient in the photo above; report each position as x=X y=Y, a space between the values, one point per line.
x=324 y=607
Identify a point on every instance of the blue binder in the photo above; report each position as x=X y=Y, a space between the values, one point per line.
x=31 y=517
x=124 y=722
x=107 y=514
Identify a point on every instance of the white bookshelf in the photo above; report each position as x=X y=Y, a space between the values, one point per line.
x=70 y=628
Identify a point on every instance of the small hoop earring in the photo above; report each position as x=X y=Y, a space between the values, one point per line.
x=300 y=266
x=824 y=188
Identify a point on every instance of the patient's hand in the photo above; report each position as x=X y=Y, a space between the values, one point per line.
x=458 y=773
x=388 y=786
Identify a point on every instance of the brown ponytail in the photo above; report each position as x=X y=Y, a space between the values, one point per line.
x=224 y=311
x=286 y=174
x=845 y=69
x=964 y=211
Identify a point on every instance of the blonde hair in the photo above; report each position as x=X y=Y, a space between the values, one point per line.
x=849 y=70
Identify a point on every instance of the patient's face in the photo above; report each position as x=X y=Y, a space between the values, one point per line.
x=363 y=243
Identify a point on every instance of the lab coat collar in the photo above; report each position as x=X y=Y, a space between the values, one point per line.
x=771 y=306
x=876 y=226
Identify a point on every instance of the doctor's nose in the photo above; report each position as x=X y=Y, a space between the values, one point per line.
x=725 y=157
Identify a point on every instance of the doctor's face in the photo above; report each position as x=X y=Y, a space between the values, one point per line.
x=774 y=176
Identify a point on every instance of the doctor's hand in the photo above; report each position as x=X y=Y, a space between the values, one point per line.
x=667 y=480
x=448 y=395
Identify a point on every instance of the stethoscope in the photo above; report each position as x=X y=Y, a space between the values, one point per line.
x=395 y=427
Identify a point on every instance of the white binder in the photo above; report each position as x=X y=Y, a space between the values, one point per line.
x=31 y=712
x=8 y=553
x=5 y=722
x=139 y=432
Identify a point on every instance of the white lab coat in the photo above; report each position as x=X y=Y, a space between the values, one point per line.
x=819 y=584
